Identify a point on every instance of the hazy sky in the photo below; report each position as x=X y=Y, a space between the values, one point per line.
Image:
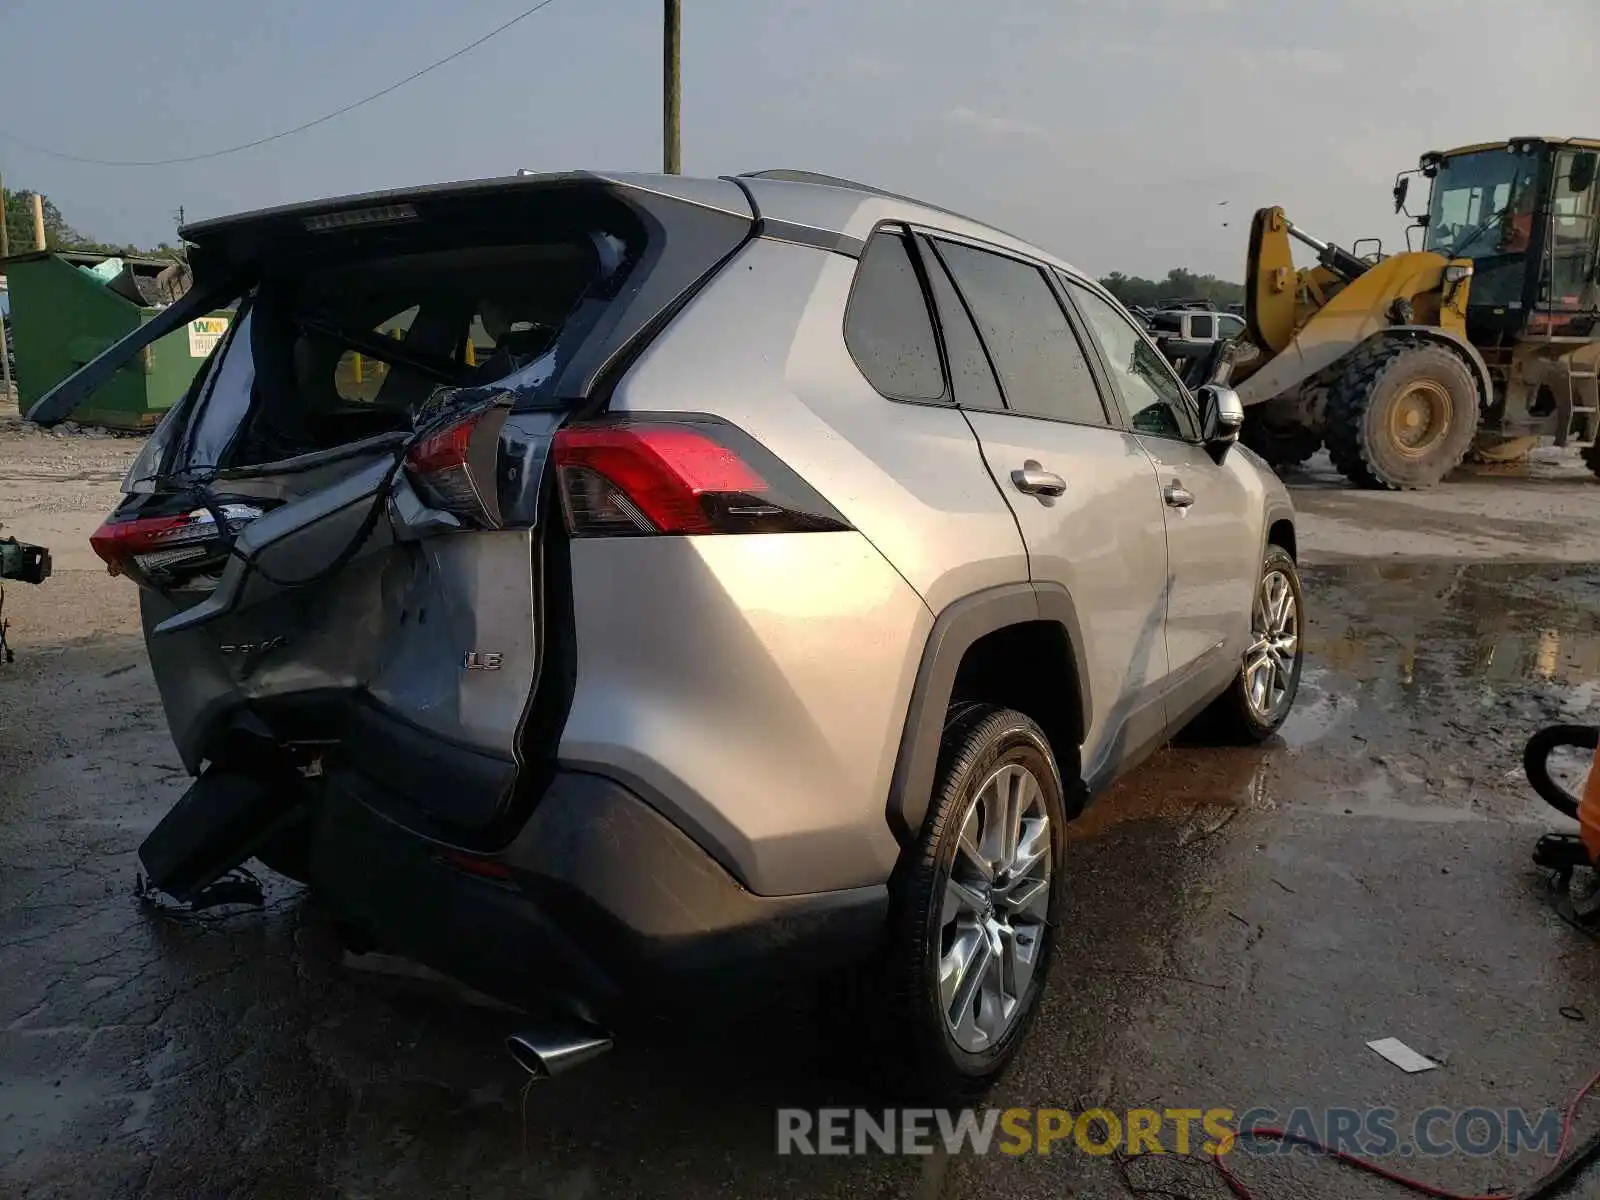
x=1105 y=130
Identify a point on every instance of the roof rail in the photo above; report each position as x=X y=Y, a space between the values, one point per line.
x=785 y=175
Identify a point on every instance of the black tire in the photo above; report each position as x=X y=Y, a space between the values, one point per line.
x=1282 y=446
x=1591 y=455
x=1231 y=718
x=917 y=1055
x=1362 y=415
x=1536 y=762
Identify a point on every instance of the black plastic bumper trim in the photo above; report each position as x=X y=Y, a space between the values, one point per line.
x=612 y=909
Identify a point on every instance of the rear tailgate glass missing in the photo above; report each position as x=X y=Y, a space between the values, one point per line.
x=332 y=355
x=352 y=314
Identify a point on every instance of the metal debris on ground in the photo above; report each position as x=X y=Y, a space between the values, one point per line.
x=1402 y=1055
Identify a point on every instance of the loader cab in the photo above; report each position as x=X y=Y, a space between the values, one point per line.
x=1527 y=213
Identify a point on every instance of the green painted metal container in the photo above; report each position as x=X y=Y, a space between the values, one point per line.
x=62 y=317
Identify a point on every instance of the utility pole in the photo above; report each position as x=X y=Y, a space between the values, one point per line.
x=5 y=356
x=671 y=87
x=38 y=221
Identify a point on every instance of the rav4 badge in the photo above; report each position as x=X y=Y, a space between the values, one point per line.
x=272 y=643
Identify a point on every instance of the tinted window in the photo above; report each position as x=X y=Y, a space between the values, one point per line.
x=886 y=324
x=1152 y=396
x=970 y=372
x=1201 y=327
x=1040 y=362
x=1230 y=326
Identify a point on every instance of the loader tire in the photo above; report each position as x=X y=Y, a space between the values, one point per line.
x=1401 y=416
x=1282 y=446
x=1591 y=455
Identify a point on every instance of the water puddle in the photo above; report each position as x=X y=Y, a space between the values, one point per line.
x=1423 y=623
x=1195 y=791
x=1319 y=711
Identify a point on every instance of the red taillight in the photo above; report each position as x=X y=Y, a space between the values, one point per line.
x=158 y=546
x=473 y=864
x=454 y=467
x=679 y=475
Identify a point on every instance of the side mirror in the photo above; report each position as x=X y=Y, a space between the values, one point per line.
x=1221 y=418
x=1401 y=187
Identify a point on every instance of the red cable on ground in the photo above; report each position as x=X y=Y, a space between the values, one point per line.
x=1237 y=1187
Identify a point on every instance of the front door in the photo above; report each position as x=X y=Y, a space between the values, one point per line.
x=1213 y=511
x=1084 y=493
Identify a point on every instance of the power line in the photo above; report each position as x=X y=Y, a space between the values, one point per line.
x=262 y=141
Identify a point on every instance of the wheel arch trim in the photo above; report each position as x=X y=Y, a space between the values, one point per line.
x=955 y=630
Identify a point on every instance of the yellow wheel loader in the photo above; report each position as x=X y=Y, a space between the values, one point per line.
x=1481 y=343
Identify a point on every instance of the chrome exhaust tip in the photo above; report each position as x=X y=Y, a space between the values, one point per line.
x=547 y=1052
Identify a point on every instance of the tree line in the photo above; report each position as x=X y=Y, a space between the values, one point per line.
x=1179 y=284
x=60 y=235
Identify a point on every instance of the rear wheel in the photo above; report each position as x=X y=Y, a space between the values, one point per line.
x=1401 y=415
x=973 y=908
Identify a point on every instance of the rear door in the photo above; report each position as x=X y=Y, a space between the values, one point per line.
x=1082 y=491
x=1213 y=518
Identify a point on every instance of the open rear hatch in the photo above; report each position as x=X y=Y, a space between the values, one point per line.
x=338 y=533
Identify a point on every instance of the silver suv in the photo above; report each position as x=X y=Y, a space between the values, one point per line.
x=634 y=593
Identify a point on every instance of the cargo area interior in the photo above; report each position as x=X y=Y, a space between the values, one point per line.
x=334 y=354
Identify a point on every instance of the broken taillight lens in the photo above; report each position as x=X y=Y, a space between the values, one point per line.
x=157 y=546
x=454 y=467
x=680 y=474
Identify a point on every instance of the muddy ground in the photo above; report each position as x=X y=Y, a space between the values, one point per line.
x=1244 y=921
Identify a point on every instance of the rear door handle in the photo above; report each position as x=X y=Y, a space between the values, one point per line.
x=1176 y=495
x=1036 y=481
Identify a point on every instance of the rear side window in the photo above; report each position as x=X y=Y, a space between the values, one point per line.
x=1201 y=327
x=971 y=376
x=1041 y=365
x=886 y=323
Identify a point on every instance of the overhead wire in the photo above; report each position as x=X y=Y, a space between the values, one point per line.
x=284 y=133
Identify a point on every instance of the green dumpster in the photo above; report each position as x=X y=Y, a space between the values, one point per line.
x=62 y=316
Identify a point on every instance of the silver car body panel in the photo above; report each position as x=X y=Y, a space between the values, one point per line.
x=910 y=477
x=1103 y=542
x=754 y=689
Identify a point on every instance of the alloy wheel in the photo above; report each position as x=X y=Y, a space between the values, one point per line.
x=1275 y=640
x=995 y=909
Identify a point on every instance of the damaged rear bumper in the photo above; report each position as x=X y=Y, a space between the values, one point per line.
x=600 y=903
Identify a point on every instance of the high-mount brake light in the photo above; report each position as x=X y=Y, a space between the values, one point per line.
x=454 y=467
x=689 y=474
x=380 y=214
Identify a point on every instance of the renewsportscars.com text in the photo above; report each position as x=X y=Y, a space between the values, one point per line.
x=1368 y=1132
